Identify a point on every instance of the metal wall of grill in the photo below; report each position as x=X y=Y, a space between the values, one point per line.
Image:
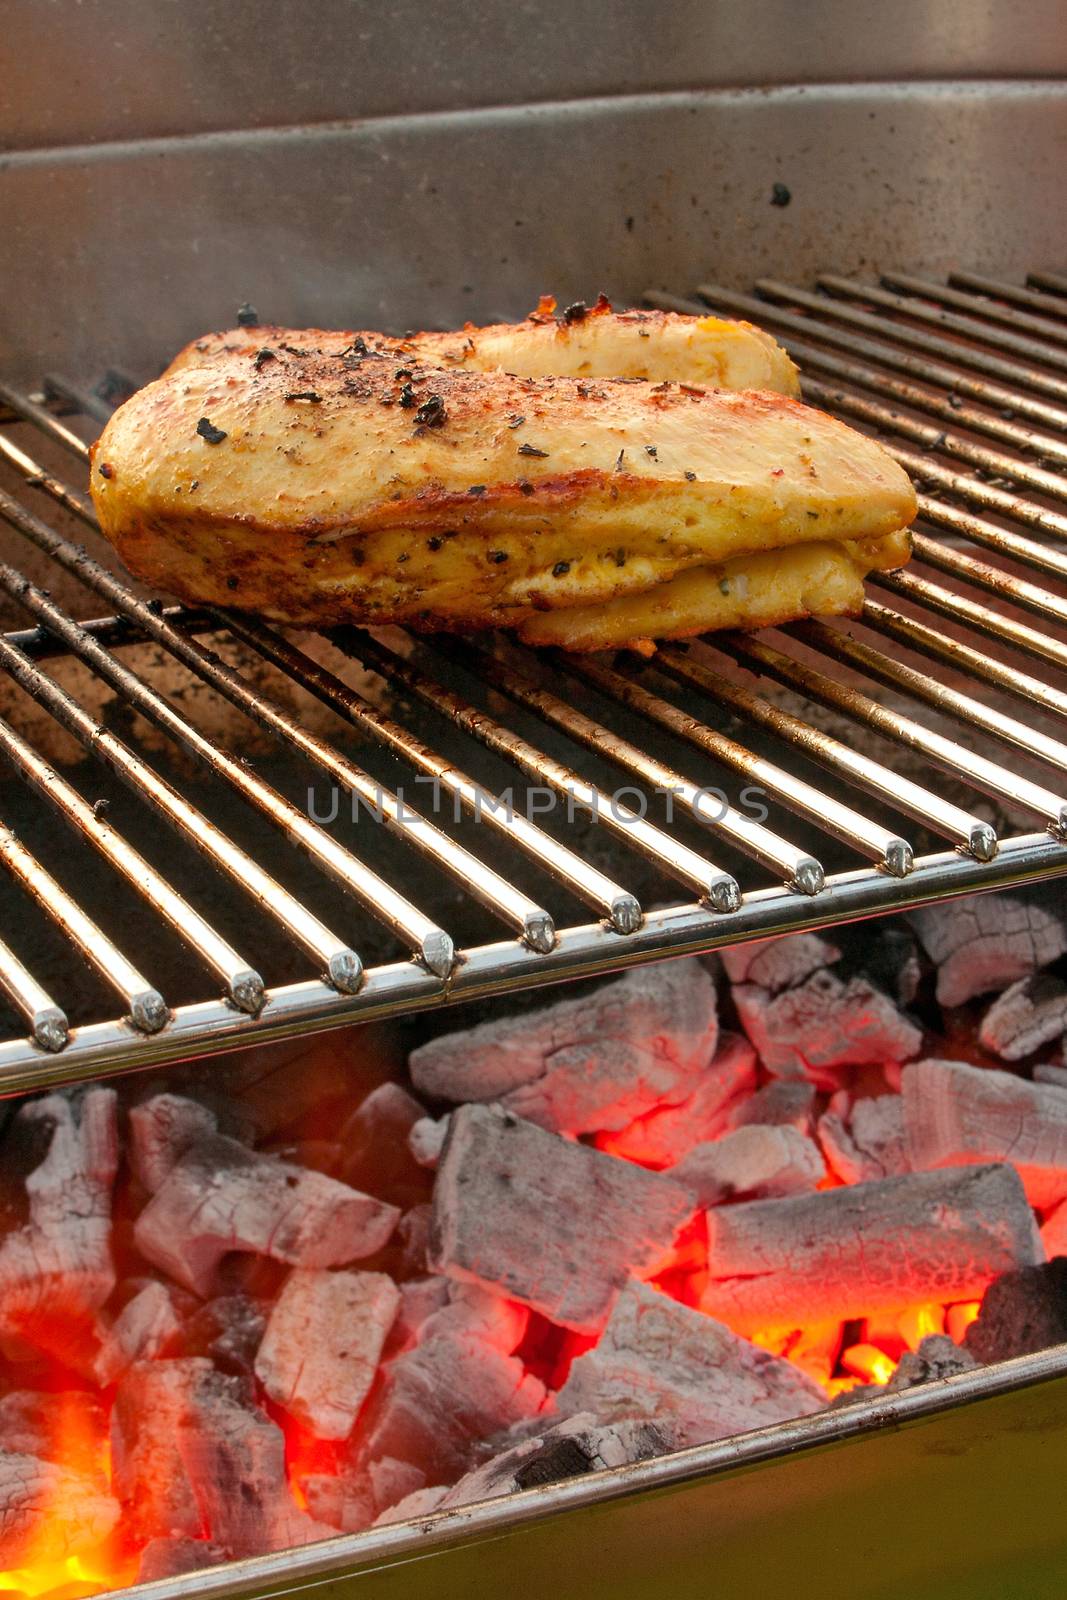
x=917 y=753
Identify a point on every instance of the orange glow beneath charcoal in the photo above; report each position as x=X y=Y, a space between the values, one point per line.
x=868 y=1363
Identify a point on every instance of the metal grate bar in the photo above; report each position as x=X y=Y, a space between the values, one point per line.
x=145 y=1006
x=961 y=608
x=889 y=850
x=585 y=881
x=113 y=632
x=1029 y=299
x=972 y=328
x=802 y=871
x=1054 y=282
x=987 y=309
x=719 y=888
x=48 y=1023
x=1019 y=590
x=968 y=832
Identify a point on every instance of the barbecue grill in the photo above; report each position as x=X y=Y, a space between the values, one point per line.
x=916 y=754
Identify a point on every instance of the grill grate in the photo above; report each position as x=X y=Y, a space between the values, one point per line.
x=987 y=361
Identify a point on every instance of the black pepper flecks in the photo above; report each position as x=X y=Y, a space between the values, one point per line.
x=620 y=558
x=780 y=195
x=155 y=607
x=724 y=586
x=305 y=394
x=232 y=582
x=516 y=421
x=497 y=557
x=402 y=372
x=408 y=397
x=405 y=555
x=432 y=413
x=650 y=450
x=207 y=430
x=352 y=354
x=105 y=471
x=262 y=357
x=532 y=450
x=619 y=460
x=577 y=312
x=691 y=477
x=525 y=486
x=247 y=316
x=476 y=488
x=561 y=569
x=434 y=543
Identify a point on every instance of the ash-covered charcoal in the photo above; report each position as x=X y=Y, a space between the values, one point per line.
x=420 y=1503
x=147 y=1326
x=937 y=1357
x=162 y=1129
x=1021 y=1313
x=49 y=1513
x=193 y=1456
x=1049 y=1072
x=782 y=1103
x=754 y=1163
x=685 y=1371
x=323 y=1343
x=1033 y=1012
x=570 y=1449
x=585 y=1065
x=482 y=1313
x=867 y=1247
x=777 y=964
x=228 y=1331
x=420 y=1298
x=374 y=1142
x=545 y=1221
x=68 y=1427
x=986 y=942
x=170 y=1558
x=824 y=1024
x=439 y=1400
x=661 y=1138
x=887 y=954
x=221 y=1197
x=955 y=1114
x=410 y=1246
x=56 y=1270
x=871 y=1144
x=426 y=1139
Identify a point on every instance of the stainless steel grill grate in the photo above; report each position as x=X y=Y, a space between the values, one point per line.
x=969 y=679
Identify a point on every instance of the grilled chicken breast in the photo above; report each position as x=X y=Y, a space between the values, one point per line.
x=599 y=343
x=322 y=487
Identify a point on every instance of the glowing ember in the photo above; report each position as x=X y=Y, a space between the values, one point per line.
x=867 y=1362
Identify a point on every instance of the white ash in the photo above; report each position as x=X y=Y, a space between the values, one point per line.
x=587 y=1065
x=868 y=1247
x=683 y=1370
x=823 y=1025
x=420 y=1503
x=780 y=963
x=147 y=1326
x=754 y=1163
x=162 y=1129
x=957 y=1114
x=1032 y=1013
x=419 y=1299
x=870 y=1143
x=426 y=1139
x=1049 y=1072
x=987 y=942
x=783 y=1102
x=323 y=1343
x=49 y=1513
x=661 y=1138
x=550 y=1223
x=221 y=1197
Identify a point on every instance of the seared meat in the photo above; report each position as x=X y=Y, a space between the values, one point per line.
x=321 y=488
x=600 y=343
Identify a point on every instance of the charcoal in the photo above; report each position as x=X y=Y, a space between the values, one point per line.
x=662 y=1137
x=1021 y=1313
x=420 y=1298
x=320 y=1353
x=194 y=1456
x=813 y=1348
x=426 y=1140
x=221 y=1197
x=664 y=1362
x=986 y=942
x=420 y=1503
x=1030 y=1014
x=873 y=1142
x=956 y=1114
x=887 y=955
x=781 y=1103
x=1049 y=1072
x=57 y=1270
x=49 y=1513
x=937 y=1357
x=440 y=1399
x=475 y=1310
x=374 y=1142
x=571 y=1449
x=162 y=1129
x=781 y=963
x=147 y=1326
x=552 y=1224
x=823 y=1025
x=754 y=1163
x=867 y=1247
x=587 y=1065
x=229 y=1331
x=392 y=1480
x=170 y=1558
x=68 y=1427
